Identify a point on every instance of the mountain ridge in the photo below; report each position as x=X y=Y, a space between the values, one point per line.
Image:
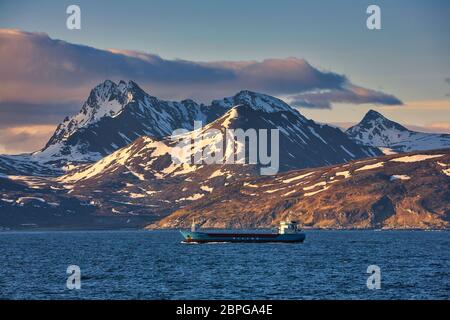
x=402 y=191
x=115 y=115
x=378 y=131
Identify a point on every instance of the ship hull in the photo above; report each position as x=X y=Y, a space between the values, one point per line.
x=208 y=237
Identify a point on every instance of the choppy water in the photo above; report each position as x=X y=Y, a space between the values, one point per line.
x=155 y=265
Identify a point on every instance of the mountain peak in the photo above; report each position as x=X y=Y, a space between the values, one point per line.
x=374 y=119
x=103 y=89
x=134 y=87
x=378 y=131
x=372 y=114
x=122 y=85
x=114 y=115
x=257 y=101
x=246 y=93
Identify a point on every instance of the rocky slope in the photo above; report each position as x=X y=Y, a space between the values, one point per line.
x=33 y=202
x=399 y=191
x=378 y=131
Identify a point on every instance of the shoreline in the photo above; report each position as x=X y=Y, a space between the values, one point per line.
x=93 y=229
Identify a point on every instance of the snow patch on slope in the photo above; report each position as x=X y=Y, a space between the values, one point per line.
x=417 y=157
x=371 y=166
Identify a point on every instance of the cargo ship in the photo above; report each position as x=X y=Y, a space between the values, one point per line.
x=287 y=232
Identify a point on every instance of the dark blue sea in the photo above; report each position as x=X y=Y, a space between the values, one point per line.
x=155 y=265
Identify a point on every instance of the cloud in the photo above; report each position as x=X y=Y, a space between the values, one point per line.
x=22 y=139
x=38 y=69
x=323 y=99
x=434 y=127
x=428 y=105
x=443 y=126
x=14 y=114
x=26 y=127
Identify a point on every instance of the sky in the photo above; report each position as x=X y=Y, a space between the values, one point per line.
x=178 y=49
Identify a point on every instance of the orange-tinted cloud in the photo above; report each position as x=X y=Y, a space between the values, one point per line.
x=440 y=126
x=430 y=105
x=22 y=139
x=35 y=68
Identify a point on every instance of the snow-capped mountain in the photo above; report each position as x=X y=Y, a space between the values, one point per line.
x=159 y=176
x=302 y=142
x=378 y=131
x=115 y=115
